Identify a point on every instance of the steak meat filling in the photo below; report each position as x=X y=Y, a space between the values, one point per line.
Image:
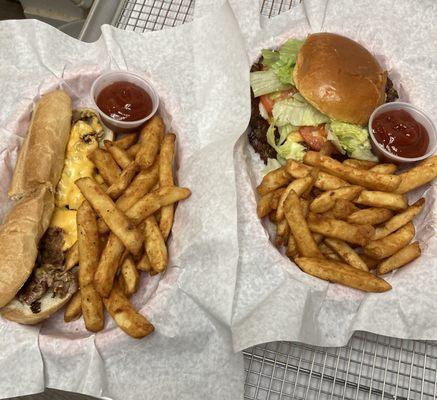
x=49 y=271
x=258 y=126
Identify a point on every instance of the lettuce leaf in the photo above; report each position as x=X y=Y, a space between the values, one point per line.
x=288 y=150
x=286 y=61
x=353 y=139
x=269 y=57
x=265 y=82
x=297 y=113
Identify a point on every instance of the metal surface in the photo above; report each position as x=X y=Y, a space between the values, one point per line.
x=370 y=366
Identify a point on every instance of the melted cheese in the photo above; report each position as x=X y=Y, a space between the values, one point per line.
x=65 y=219
x=82 y=142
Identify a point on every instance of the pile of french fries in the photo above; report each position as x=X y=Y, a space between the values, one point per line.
x=345 y=222
x=123 y=225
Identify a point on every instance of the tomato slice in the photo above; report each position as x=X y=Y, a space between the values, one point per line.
x=267 y=103
x=269 y=100
x=314 y=136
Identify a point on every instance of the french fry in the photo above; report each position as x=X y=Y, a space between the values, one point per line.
x=108 y=265
x=144 y=263
x=399 y=259
x=166 y=180
x=133 y=150
x=328 y=252
x=346 y=253
x=391 y=201
x=120 y=156
x=370 y=216
x=399 y=220
x=129 y=276
x=291 y=251
x=341 y=210
x=418 y=176
x=125 y=316
x=384 y=168
x=282 y=231
x=299 y=186
x=151 y=137
x=360 y=164
x=272 y=217
x=126 y=141
x=72 y=257
x=108 y=168
x=296 y=169
x=326 y=200
x=337 y=229
x=318 y=237
x=119 y=186
x=140 y=186
x=298 y=226
x=343 y=274
x=273 y=180
x=111 y=214
x=155 y=245
x=89 y=251
x=367 y=179
x=73 y=310
x=264 y=205
x=305 y=206
x=390 y=244
x=370 y=262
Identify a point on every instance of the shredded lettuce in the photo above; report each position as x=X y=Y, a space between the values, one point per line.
x=264 y=82
x=291 y=48
x=269 y=57
x=288 y=150
x=297 y=113
x=353 y=139
x=285 y=131
x=286 y=61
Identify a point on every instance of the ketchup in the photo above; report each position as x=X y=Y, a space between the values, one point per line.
x=124 y=101
x=401 y=134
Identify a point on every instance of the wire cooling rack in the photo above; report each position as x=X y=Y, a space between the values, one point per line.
x=370 y=366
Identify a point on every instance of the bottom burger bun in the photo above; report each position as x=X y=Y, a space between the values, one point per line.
x=19 y=239
x=20 y=312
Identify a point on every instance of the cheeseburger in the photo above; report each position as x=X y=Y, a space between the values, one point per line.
x=308 y=92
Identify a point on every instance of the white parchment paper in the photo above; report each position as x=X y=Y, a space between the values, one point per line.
x=274 y=300
x=189 y=356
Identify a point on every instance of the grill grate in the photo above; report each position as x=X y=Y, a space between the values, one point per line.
x=370 y=366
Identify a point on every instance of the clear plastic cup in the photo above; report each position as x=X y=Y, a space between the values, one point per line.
x=419 y=116
x=107 y=79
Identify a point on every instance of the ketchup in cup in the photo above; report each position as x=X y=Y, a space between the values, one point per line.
x=124 y=101
x=401 y=134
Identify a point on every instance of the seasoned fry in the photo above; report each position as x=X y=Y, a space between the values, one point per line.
x=343 y=274
x=144 y=263
x=133 y=150
x=108 y=168
x=296 y=169
x=418 y=176
x=264 y=206
x=108 y=265
x=399 y=259
x=141 y=185
x=291 y=251
x=299 y=186
x=384 y=168
x=282 y=231
x=337 y=229
x=341 y=210
x=121 y=157
x=305 y=206
x=125 y=316
x=129 y=276
x=119 y=186
x=298 y=226
x=126 y=141
x=273 y=180
x=151 y=137
x=111 y=214
x=155 y=245
x=399 y=220
x=72 y=257
x=328 y=252
x=73 y=310
x=370 y=216
x=318 y=237
x=360 y=164
x=359 y=177
x=166 y=180
x=346 y=253
x=391 y=201
x=390 y=244
x=89 y=251
x=326 y=200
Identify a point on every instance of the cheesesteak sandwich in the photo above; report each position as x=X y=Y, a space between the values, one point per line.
x=41 y=227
